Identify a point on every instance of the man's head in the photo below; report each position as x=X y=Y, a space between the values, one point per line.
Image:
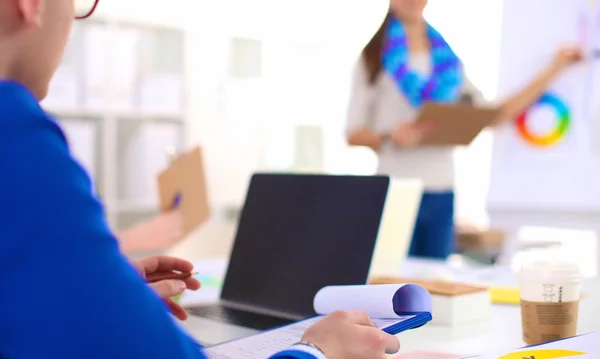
x=33 y=37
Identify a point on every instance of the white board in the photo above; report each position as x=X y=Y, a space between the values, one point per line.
x=554 y=181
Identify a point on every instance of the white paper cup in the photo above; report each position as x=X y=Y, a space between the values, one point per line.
x=550 y=292
x=550 y=282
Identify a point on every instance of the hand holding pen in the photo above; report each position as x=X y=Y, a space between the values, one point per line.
x=168 y=277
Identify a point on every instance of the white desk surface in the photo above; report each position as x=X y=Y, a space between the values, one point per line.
x=502 y=332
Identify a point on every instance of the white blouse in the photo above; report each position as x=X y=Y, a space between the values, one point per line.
x=381 y=107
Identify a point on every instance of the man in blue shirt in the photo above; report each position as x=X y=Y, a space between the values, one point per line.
x=66 y=290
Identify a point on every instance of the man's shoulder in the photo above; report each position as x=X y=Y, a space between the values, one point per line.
x=22 y=121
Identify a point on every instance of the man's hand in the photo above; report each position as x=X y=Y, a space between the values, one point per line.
x=410 y=134
x=166 y=289
x=351 y=335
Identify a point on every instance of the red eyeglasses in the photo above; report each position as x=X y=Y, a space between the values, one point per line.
x=85 y=8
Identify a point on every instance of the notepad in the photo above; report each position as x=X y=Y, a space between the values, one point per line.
x=394 y=308
x=505 y=295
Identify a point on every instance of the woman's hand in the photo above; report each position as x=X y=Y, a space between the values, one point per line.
x=567 y=56
x=410 y=134
x=158 y=233
x=166 y=289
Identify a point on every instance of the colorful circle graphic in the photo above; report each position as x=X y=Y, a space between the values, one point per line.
x=562 y=125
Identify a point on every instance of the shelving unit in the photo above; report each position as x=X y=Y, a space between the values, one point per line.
x=120 y=97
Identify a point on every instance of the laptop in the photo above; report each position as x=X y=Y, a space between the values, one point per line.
x=298 y=233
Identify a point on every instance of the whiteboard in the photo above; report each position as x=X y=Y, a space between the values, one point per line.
x=546 y=167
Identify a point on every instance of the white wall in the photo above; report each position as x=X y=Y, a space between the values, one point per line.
x=233 y=148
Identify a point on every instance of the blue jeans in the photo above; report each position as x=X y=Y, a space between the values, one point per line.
x=433 y=236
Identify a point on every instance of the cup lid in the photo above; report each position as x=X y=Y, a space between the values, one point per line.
x=551 y=270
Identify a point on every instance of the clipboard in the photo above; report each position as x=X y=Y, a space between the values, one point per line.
x=456 y=124
x=183 y=186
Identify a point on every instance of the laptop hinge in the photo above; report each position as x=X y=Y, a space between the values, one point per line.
x=258 y=310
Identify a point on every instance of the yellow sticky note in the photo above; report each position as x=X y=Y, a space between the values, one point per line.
x=543 y=354
x=505 y=295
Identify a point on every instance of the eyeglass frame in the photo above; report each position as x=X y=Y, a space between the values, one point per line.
x=89 y=12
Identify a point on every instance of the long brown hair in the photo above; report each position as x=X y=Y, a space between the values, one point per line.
x=373 y=52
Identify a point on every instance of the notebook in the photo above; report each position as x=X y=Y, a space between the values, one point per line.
x=393 y=307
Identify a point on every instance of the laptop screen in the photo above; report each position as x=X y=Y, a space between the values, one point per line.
x=299 y=233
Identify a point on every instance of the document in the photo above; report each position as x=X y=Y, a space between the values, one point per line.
x=385 y=304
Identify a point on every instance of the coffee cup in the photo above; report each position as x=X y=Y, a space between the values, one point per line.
x=550 y=293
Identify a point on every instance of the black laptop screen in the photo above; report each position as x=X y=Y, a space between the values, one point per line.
x=299 y=233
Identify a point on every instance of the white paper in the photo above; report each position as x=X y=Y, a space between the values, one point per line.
x=369 y=298
x=266 y=344
x=375 y=300
x=585 y=345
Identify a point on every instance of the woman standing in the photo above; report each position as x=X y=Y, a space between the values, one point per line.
x=405 y=64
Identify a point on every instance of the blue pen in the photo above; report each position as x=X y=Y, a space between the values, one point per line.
x=177 y=201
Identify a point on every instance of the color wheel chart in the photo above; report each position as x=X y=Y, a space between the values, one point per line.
x=562 y=115
x=558 y=107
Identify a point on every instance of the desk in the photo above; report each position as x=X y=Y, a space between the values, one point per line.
x=503 y=331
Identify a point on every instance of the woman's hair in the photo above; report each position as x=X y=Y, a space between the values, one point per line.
x=373 y=52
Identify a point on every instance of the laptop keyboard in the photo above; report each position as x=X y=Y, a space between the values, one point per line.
x=238 y=317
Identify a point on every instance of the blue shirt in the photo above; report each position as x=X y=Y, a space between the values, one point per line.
x=66 y=291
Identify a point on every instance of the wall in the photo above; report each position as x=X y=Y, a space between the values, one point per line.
x=234 y=148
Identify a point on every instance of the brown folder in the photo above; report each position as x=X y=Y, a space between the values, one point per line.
x=455 y=125
x=183 y=185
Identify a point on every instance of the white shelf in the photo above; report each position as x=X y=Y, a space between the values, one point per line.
x=132 y=100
